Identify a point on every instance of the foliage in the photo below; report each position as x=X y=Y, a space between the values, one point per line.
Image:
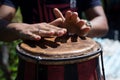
x=13 y=57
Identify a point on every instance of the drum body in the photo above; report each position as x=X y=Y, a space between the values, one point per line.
x=54 y=63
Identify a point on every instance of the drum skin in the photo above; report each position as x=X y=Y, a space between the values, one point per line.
x=59 y=58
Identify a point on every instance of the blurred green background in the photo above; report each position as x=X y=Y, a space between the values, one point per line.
x=13 y=58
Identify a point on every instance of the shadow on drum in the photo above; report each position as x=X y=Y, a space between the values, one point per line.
x=65 y=38
x=73 y=38
x=45 y=42
x=59 y=58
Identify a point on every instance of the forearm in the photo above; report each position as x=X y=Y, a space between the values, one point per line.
x=99 y=27
x=98 y=21
x=24 y=31
x=6 y=32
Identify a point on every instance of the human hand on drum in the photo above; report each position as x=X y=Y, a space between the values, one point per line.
x=36 y=31
x=72 y=22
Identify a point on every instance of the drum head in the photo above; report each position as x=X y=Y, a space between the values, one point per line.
x=59 y=48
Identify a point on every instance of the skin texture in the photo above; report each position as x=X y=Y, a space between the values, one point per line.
x=73 y=23
x=24 y=31
x=70 y=23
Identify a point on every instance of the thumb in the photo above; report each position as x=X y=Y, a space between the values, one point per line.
x=58 y=13
x=57 y=22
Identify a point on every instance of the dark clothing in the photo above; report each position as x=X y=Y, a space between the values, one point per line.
x=112 y=9
x=113 y=12
x=34 y=11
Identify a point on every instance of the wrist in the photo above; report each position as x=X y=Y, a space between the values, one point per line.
x=88 y=23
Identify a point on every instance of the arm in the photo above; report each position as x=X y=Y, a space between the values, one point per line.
x=6 y=15
x=74 y=24
x=12 y=31
x=98 y=21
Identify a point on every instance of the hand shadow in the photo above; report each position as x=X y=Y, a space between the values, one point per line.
x=45 y=43
x=70 y=38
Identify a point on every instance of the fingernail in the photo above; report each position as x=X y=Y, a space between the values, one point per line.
x=65 y=30
x=60 y=33
x=37 y=38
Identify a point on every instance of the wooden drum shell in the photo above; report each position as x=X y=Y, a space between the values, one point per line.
x=81 y=63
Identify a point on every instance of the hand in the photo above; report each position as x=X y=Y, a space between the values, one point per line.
x=36 y=31
x=72 y=22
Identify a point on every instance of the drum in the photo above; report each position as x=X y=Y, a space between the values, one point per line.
x=59 y=58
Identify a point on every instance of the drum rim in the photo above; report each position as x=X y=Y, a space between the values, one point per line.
x=38 y=58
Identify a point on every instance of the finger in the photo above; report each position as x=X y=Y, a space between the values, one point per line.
x=41 y=26
x=58 y=13
x=80 y=24
x=44 y=33
x=35 y=37
x=56 y=22
x=58 y=32
x=84 y=31
x=46 y=27
x=74 y=17
x=68 y=15
x=30 y=36
x=54 y=28
x=50 y=29
x=61 y=32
